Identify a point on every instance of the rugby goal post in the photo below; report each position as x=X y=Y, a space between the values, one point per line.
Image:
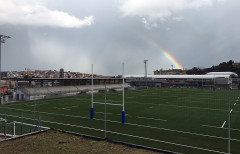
x=92 y=102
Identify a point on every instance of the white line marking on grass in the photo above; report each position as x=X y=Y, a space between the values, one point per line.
x=125 y=123
x=58 y=123
x=223 y=124
x=47 y=113
x=29 y=105
x=179 y=106
x=55 y=122
x=150 y=139
x=62 y=108
x=42 y=104
x=70 y=107
x=151 y=118
x=220 y=127
x=172 y=130
x=102 y=113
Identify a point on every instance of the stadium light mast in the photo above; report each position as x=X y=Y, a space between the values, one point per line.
x=145 y=62
x=2 y=40
x=172 y=67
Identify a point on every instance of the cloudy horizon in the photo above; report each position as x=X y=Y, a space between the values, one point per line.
x=74 y=34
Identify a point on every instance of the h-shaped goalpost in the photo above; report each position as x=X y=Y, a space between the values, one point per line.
x=123 y=111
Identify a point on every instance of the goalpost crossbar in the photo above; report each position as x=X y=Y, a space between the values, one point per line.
x=107 y=103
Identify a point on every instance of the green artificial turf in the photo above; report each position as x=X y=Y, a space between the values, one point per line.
x=174 y=119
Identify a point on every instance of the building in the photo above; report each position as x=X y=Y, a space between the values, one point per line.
x=170 y=72
x=222 y=81
x=61 y=73
x=33 y=93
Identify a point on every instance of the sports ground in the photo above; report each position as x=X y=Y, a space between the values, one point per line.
x=173 y=119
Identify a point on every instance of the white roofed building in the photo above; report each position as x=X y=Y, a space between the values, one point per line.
x=214 y=80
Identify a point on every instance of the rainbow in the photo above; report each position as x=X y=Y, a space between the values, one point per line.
x=167 y=55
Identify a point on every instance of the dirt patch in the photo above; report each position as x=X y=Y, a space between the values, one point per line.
x=58 y=142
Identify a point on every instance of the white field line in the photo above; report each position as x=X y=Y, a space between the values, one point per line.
x=57 y=123
x=145 y=126
x=30 y=105
x=47 y=113
x=150 y=139
x=223 y=124
x=73 y=125
x=70 y=107
x=62 y=108
x=1 y=119
x=38 y=104
x=107 y=103
x=109 y=100
x=178 y=131
x=151 y=118
x=102 y=113
x=134 y=136
x=179 y=106
x=234 y=129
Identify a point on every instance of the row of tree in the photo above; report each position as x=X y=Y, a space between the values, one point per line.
x=222 y=67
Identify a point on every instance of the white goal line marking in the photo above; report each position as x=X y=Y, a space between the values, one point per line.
x=223 y=124
x=151 y=118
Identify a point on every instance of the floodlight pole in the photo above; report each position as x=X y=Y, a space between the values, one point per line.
x=145 y=62
x=123 y=111
x=92 y=109
x=2 y=40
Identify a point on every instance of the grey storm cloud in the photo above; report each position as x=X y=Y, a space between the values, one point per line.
x=196 y=33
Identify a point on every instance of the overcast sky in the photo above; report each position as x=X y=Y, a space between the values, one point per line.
x=73 y=34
